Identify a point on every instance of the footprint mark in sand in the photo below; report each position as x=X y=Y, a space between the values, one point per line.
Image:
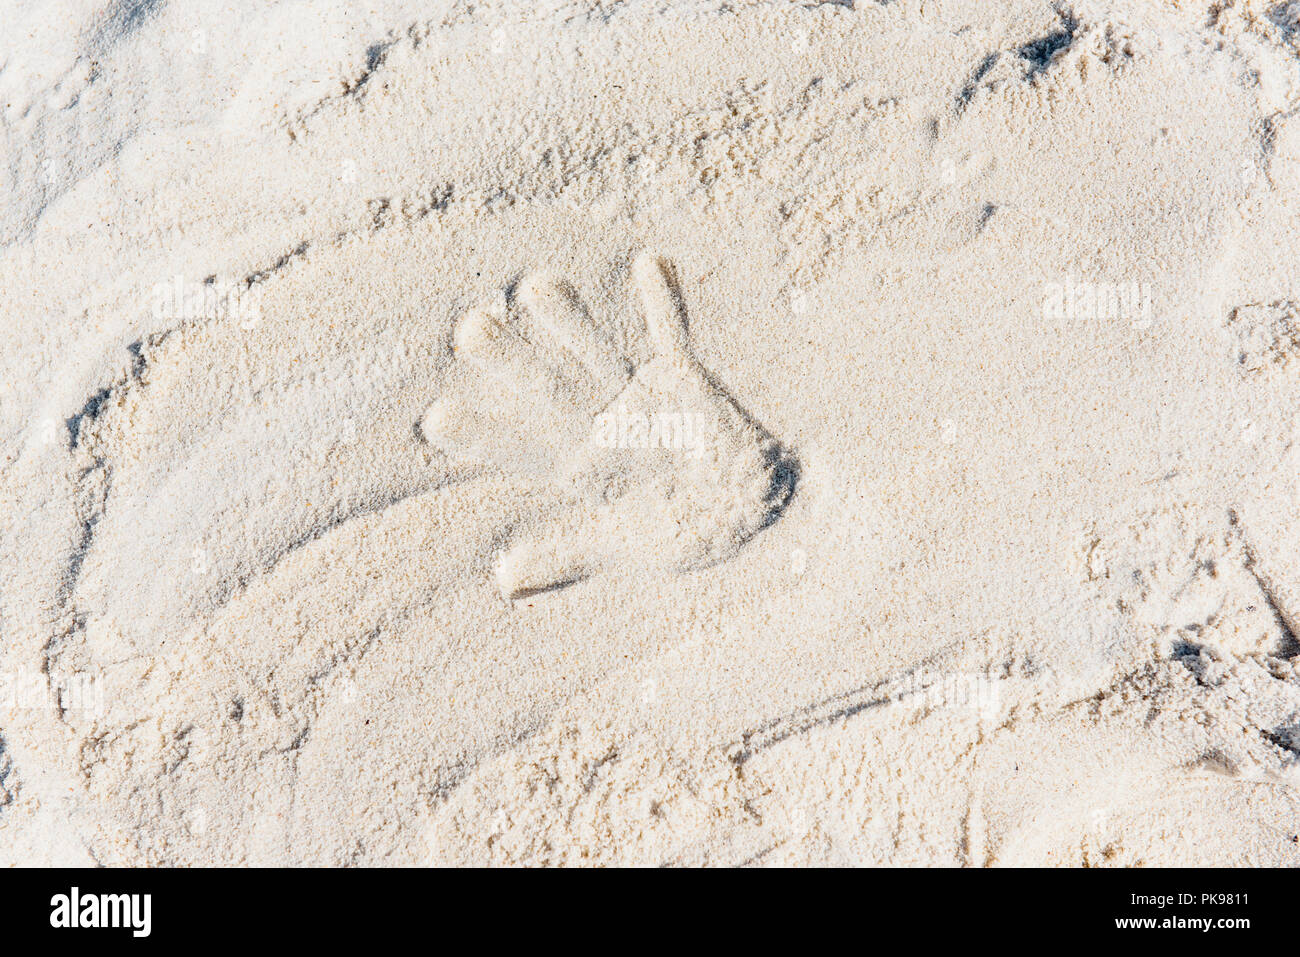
x=649 y=465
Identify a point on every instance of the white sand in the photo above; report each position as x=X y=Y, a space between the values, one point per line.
x=961 y=526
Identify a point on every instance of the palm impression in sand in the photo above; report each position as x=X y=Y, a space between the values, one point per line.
x=637 y=464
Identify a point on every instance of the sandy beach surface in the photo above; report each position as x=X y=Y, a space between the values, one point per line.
x=673 y=432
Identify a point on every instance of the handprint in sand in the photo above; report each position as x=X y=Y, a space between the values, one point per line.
x=646 y=463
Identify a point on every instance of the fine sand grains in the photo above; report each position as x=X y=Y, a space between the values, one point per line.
x=658 y=433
